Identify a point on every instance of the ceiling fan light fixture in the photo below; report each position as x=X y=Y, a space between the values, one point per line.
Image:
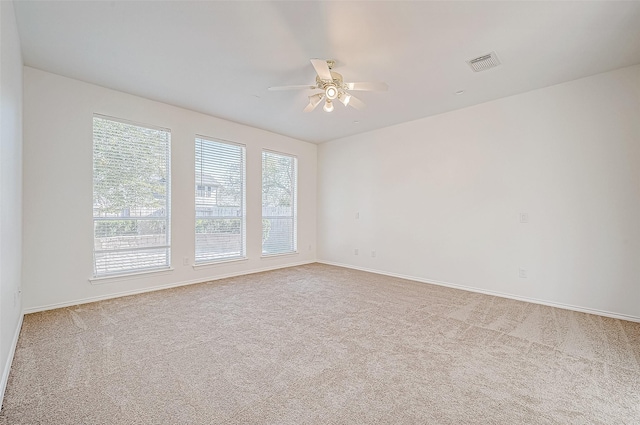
x=344 y=98
x=328 y=106
x=331 y=92
x=315 y=99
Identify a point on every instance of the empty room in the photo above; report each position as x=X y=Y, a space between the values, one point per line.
x=319 y=212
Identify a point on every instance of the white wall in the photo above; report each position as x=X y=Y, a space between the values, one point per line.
x=10 y=186
x=58 y=228
x=439 y=198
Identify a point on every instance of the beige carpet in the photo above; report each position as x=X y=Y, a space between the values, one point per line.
x=322 y=345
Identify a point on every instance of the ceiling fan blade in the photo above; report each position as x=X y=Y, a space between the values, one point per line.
x=313 y=102
x=322 y=69
x=371 y=86
x=356 y=103
x=300 y=87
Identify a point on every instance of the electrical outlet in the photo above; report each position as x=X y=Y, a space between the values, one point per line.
x=355 y=251
x=373 y=253
x=185 y=261
x=522 y=273
x=357 y=215
x=309 y=247
x=524 y=217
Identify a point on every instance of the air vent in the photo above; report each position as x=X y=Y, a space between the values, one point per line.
x=484 y=62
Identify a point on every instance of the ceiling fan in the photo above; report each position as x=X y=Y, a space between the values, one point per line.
x=333 y=87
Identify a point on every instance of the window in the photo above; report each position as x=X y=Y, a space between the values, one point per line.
x=220 y=201
x=279 y=198
x=131 y=197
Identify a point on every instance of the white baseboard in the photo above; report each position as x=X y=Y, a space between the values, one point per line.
x=380 y=272
x=494 y=293
x=156 y=288
x=7 y=365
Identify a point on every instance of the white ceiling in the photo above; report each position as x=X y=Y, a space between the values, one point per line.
x=220 y=57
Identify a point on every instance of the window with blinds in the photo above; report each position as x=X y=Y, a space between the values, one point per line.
x=220 y=201
x=279 y=203
x=131 y=197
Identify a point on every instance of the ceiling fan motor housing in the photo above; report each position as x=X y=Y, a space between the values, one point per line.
x=336 y=81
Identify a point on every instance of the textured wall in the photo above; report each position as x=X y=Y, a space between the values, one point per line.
x=11 y=184
x=439 y=198
x=58 y=235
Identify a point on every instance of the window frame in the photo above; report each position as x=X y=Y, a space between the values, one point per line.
x=167 y=219
x=243 y=207
x=294 y=202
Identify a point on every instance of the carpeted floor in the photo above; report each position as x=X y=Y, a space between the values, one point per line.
x=319 y=344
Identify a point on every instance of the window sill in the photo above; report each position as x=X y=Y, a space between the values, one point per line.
x=284 y=254
x=218 y=263
x=128 y=276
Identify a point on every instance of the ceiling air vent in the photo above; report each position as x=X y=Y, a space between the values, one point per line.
x=484 y=62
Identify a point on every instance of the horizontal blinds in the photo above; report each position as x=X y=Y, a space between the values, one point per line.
x=220 y=201
x=131 y=187
x=279 y=203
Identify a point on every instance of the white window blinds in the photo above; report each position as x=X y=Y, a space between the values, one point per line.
x=131 y=197
x=279 y=198
x=220 y=201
